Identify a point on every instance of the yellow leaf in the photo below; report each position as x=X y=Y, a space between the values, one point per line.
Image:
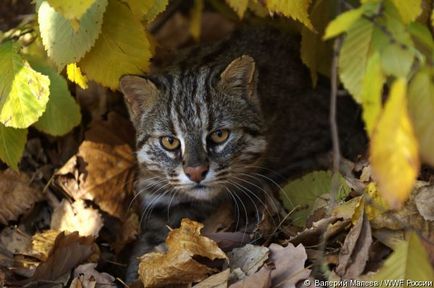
x=375 y=204
x=409 y=10
x=342 y=23
x=196 y=19
x=240 y=6
x=372 y=91
x=178 y=265
x=296 y=9
x=75 y=75
x=122 y=48
x=394 y=151
x=147 y=10
x=421 y=108
x=71 y=9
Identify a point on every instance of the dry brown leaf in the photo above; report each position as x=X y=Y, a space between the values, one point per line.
x=76 y=217
x=16 y=241
x=86 y=276
x=248 y=258
x=116 y=130
x=354 y=253
x=100 y=172
x=260 y=279
x=289 y=265
x=424 y=201
x=219 y=280
x=68 y=252
x=16 y=194
x=42 y=243
x=177 y=266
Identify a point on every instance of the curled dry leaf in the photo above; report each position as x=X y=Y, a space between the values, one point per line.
x=355 y=251
x=289 y=265
x=68 y=252
x=85 y=276
x=249 y=258
x=102 y=173
x=219 y=280
x=42 y=243
x=178 y=265
x=76 y=217
x=260 y=279
x=16 y=194
x=424 y=201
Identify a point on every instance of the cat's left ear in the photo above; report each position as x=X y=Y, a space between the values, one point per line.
x=140 y=95
x=240 y=77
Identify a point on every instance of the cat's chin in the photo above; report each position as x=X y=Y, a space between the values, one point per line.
x=202 y=192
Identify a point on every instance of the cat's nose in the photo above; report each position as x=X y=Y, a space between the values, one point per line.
x=196 y=173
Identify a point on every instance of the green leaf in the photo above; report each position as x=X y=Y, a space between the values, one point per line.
x=371 y=94
x=65 y=44
x=409 y=10
x=422 y=35
x=295 y=9
x=122 y=48
x=12 y=143
x=147 y=10
x=62 y=113
x=239 y=6
x=409 y=261
x=354 y=54
x=23 y=91
x=342 y=23
x=303 y=192
x=71 y=9
x=315 y=52
x=421 y=109
x=397 y=53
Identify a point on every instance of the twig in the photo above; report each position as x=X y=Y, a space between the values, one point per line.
x=335 y=142
x=167 y=14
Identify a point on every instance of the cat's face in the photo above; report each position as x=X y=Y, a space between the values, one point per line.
x=197 y=131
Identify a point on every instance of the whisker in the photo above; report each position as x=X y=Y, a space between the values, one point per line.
x=236 y=206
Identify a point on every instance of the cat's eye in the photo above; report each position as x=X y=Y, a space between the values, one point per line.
x=219 y=136
x=169 y=143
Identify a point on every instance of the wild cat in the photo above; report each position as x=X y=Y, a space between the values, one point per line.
x=219 y=125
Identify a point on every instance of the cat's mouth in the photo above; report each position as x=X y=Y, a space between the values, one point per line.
x=201 y=192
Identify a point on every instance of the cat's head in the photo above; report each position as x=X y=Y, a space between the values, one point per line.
x=198 y=130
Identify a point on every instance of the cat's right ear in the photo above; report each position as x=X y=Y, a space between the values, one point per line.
x=140 y=95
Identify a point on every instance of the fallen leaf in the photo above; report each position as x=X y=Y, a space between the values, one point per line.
x=42 y=243
x=68 y=252
x=16 y=194
x=100 y=172
x=219 y=280
x=354 y=253
x=424 y=201
x=249 y=258
x=260 y=279
x=16 y=241
x=289 y=265
x=76 y=217
x=86 y=276
x=178 y=265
